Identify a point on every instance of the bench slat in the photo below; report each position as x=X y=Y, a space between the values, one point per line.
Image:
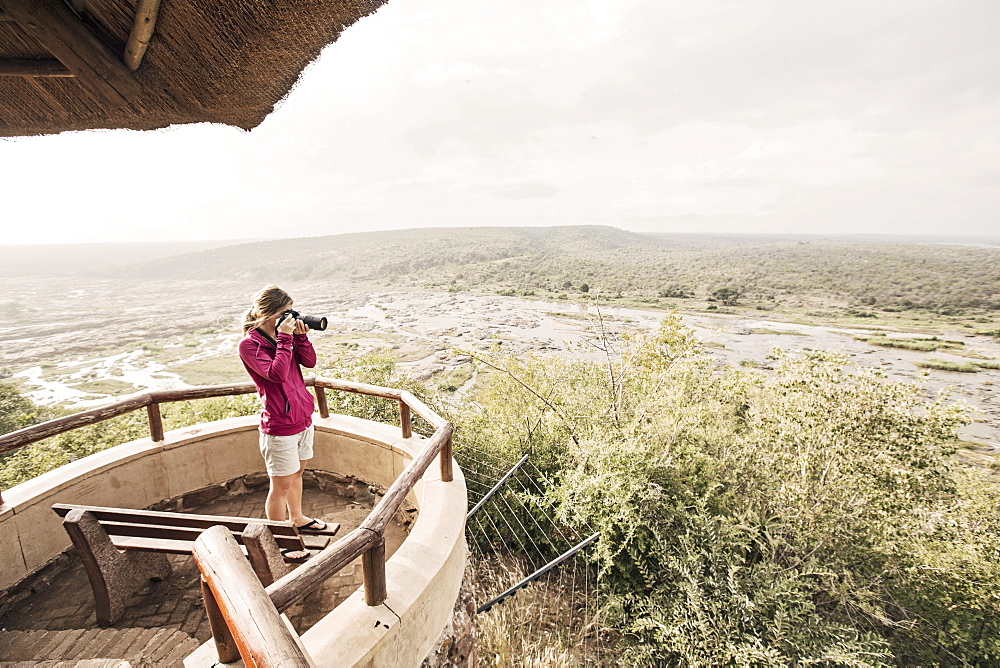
x=155 y=545
x=189 y=534
x=169 y=546
x=155 y=517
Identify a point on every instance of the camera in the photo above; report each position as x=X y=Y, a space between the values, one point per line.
x=311 y=321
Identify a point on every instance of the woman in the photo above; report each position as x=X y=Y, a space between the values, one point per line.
x=272 y=355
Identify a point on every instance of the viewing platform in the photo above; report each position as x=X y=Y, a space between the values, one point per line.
x=379 y=594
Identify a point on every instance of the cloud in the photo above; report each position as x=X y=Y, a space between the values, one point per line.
x=657 y=114
x=527 y=190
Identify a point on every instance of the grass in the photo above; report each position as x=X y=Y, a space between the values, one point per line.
x=106 y=386
x=569 y=316
x=765 y=330
x=456 y=378
x=539 y=626
x=215 y=371
x=943 y=365
x=930 y=345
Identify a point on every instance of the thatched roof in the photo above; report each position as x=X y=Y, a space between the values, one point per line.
x=221 y=61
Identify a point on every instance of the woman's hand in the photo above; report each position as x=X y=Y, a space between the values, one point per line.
x=301 y=327
x=289 y=325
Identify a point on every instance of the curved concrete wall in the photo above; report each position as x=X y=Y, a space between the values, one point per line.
x=424 y=575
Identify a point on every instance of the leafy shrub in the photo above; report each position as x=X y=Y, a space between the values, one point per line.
x=17 y=411
x=377 y=368
x=38 y=458
x=808 y=515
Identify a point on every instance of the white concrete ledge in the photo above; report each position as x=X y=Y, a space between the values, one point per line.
x=423 y=576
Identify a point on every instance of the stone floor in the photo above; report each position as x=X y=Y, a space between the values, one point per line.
x=174 y=604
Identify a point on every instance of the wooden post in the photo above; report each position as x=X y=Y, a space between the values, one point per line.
x=293 y=586
x=447 y=475
x=324 y=410
x=264 y=554
x=142 y=32
x=225 y=645
x=257 y=629
x=373 y=565
x=405 y=422
x=54 y=25
x=155 y=422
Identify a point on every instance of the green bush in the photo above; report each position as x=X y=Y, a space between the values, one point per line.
x=17 y=411
x=807 y=515
x=38 y=458
x=377 y=368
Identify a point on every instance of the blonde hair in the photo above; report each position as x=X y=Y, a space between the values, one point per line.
x=266 y=303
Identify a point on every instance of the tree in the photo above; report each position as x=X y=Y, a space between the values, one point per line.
x=727 y=296
x=16 y=410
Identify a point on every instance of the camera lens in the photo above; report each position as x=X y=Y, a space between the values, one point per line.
x=314 y=322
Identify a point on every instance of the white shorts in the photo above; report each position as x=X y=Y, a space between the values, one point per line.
x=282 y=454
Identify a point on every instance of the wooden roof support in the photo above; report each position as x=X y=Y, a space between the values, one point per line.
x=142 y=32
x=54 y=25
x=30 y=67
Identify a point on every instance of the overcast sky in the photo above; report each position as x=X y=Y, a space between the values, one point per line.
x=855 y=116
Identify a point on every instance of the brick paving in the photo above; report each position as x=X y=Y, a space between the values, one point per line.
x=65 y=607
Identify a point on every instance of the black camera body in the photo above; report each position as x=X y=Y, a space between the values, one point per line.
x=311 y=321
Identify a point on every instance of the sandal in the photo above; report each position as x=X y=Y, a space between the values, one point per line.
x=295 y=560
x=309 y=526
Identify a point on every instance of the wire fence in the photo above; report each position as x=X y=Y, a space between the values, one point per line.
x=522 y=549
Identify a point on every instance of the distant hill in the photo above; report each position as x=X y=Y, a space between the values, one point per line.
x=62 y=259
x=548 y=261
x=766 y=271
x=372 y=256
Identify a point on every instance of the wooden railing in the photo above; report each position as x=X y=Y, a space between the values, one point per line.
x=239 y=628
x=151 y=401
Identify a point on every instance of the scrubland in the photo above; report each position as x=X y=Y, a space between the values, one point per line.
x=760 y=428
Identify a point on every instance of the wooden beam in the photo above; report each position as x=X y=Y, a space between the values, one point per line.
x=29 y=67
x=383 y=511
x=142 y=32
x=54 y=25
x=241 y=604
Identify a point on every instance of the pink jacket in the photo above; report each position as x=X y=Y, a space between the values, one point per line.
x=288 y=405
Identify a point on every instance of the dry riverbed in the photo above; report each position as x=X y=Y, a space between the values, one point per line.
x=82 y=346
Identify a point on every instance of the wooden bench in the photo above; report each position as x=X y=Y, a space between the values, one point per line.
x=121 y=549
